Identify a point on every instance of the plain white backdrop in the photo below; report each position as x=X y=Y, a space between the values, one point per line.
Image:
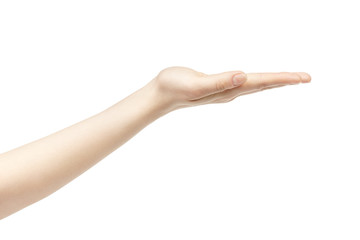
x=279 y=164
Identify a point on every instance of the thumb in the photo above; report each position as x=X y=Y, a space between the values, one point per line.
x=219 y=82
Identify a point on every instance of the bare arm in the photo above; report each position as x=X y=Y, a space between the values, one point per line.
x=37 y=169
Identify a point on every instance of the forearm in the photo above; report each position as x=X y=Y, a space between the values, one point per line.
x=35 y=170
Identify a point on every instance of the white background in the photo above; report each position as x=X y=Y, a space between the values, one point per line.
x=280 y=164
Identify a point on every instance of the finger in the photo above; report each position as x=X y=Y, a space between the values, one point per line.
x=256 y=82
x=215 y=83
x=265 y=88
x=264 y=80
x=230 y=95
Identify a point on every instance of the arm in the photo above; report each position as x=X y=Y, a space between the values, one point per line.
x=37 y=169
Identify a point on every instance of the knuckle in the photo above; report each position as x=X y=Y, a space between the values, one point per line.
x=220 y=86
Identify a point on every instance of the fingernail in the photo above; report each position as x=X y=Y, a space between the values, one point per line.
x=305 y=78
x=239 y=79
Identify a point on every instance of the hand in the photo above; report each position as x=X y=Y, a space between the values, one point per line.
x=185 y=87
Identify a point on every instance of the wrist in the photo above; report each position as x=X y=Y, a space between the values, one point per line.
x=158 y=101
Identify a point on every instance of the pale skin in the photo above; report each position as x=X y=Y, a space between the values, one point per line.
x=37 y=169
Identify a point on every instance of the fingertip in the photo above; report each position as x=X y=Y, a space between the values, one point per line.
x=305 y=77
